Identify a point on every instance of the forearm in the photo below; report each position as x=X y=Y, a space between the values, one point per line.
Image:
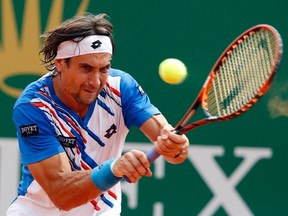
x=72 y=189
x=85 y=184
x=65 y=188
x=68 y=189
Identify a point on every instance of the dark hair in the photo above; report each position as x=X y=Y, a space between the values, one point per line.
x=76 y=27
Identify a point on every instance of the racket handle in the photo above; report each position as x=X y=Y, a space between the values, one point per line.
x=152 y=155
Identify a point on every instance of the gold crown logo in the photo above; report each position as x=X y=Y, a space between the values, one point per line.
x=19 y=56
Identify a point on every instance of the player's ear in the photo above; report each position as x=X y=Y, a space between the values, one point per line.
x=58 y=64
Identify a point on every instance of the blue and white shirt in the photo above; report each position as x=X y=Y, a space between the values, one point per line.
x=46 y=126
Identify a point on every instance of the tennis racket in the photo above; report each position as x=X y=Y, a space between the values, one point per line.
x=240 y=77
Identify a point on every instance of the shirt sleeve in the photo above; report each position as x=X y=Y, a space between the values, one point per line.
x=36 y=136
x=137 y=107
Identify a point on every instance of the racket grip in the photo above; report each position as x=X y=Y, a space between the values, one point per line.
x=152 y=155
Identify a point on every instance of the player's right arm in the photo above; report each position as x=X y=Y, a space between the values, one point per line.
x=50 y=167
x=68 y=189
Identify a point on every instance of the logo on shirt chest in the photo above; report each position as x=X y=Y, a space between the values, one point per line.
x=111 y=131
x=69 y=142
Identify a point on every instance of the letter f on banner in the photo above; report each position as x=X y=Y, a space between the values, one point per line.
x=223 y=188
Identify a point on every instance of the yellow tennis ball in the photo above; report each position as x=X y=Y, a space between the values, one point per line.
x=172 y=71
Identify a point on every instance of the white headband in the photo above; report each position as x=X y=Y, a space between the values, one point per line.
x=90 y=44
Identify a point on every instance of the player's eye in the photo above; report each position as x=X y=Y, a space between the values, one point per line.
x=105 y=69
x=87 y=68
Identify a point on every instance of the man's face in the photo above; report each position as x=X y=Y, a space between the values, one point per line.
x=83 y=78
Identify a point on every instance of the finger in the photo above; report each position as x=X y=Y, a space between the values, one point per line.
x=143 y=167
x=137 y=165
x=132 y=174
x=148 y=173
x=144 y=164
x=165 y=150
x=173 y=146
x=123 y=166
x=178 y=138
x=141 y=156
x=168 y=145
x=182 y=154
x=165 y=131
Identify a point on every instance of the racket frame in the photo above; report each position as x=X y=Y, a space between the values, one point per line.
x=183 y=127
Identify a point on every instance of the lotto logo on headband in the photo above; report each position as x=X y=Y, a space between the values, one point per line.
x=96 y=44
x=90 y=44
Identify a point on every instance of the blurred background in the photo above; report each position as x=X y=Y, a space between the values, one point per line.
x=234 y=168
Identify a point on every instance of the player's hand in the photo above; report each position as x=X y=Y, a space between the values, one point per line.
x=133 y=165
x=173 y=147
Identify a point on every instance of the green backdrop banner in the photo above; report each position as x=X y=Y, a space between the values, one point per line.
x=234 y=168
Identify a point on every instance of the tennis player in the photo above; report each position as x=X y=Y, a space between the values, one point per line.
x=72 y=124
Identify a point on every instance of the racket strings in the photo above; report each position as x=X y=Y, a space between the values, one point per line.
x=243 y=71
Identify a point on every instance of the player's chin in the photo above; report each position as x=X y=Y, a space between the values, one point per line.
x=88 y=98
